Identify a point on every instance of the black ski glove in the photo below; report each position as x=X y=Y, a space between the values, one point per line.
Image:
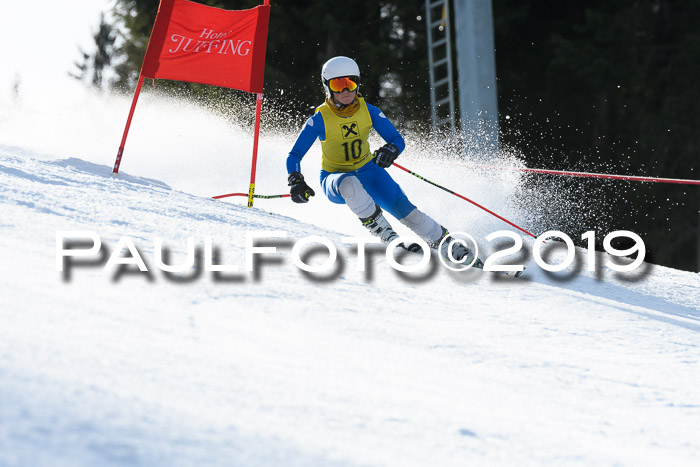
x=300 y=190
x=386 y=155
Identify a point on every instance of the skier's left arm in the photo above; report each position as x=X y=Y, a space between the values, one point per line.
x=387 y=154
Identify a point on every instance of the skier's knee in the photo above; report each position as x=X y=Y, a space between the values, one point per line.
x=356 y=197
x=422 y=224
x=347 y=187
x=414 y=219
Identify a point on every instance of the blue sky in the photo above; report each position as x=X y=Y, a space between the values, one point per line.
x=39 y=41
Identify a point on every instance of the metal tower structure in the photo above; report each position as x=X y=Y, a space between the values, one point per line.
x=476 y=66
x=442 y=91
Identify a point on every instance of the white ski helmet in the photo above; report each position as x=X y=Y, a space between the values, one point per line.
x=339 y=67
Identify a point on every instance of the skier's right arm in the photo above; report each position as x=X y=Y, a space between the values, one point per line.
x=314 y=128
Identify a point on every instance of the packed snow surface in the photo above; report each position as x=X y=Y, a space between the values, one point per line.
x=278 y=366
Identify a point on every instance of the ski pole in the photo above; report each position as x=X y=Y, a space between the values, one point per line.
x=255 y=196
x=464 y=198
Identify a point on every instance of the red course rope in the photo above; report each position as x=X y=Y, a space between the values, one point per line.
x=255 y=196
x=597 y=175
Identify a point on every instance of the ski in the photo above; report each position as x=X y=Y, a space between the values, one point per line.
x=510 y=273
x=478 y=264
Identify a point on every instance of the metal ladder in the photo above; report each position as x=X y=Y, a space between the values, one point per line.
x=442 y=93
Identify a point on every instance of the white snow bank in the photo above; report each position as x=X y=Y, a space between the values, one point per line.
x=281 y=369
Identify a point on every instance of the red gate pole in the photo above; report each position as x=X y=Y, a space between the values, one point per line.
x=118 y=162
x=258 y=110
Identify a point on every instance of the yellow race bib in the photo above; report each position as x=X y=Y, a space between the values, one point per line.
x=346 y=147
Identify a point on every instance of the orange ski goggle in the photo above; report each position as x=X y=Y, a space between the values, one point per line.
x=339 y=84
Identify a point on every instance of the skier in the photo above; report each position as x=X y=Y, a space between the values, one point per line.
x=350 y=173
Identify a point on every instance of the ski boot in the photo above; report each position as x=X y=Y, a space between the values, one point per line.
x=460 y=253
x=379 y=226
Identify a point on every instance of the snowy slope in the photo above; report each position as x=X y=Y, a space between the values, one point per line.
x=280 y=368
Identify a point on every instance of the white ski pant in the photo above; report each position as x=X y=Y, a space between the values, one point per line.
x=362 y=204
